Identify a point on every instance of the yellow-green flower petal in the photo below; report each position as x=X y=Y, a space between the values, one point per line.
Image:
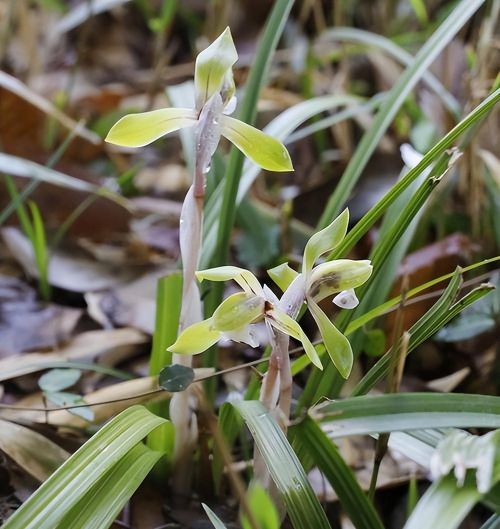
x=243 y=277
x=137 y=130
x=261 y=148
x=237 y=310
x=196 y=338
x=282 y=275
x=212 y=65
x=325 y=240
x=284 y=323
x=336 y=343
x=336 y=276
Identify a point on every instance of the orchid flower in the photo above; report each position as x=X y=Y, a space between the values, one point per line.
x=235 y=316
x=214 y=100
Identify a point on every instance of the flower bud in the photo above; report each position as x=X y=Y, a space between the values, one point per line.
x=237 y=311
x=336 y=276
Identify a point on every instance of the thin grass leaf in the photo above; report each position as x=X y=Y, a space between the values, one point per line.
x=362 y=227
x=216 y=521
x=327 y=458
x=398 y=94
x=303 y=507
x=71 y=481
x=372 y=40
x=103 y=502
x=371 y=414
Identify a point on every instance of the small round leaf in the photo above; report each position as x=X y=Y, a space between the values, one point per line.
x=175 y=377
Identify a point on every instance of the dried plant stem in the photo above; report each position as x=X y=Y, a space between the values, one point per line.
x=181 y=413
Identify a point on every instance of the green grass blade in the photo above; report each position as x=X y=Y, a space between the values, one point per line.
x=327 y=458
x=372 y=40
x=216 y=521
x=71 y=481
x=444 y=505
x=104 y=501
x=436 y=318
x=362 y=227
x=371 y=414
x=411 y=76
x=302 y=506
x=39 y=243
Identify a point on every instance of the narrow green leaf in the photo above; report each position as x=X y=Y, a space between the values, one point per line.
x=175 y=378
x=196 y=338
x=264 y=150
x=370 y=414
x=45 y=508
x=103 y=502
x=325 y=240
x=216 y=521
x=336 y=343
x=137 y=130
x=398 y=94
x=327 y=458
x=262 y=507
x=290 y=478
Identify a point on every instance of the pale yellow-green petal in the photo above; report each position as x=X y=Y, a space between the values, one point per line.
x=282 y=275
x=325 y=240
x=335 y=276
x=242 y=276
x=212 y=67
x=137 y=130
x=237 y=310
x=261 y=148
x=284 y=323
x=336 y=344
x=196 y=338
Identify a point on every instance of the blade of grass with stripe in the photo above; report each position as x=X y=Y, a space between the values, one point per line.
x=398 y=94
x=325 y=455
x=302 y=505
x=369 y=414
x=71 y=481
x=103 y=502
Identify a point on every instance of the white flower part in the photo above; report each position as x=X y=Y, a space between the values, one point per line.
x=230 y=106
x=411 y=157
x=270 y=296
x=244 y=334
x=346 y=299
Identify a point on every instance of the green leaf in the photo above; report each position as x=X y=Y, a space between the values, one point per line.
x=175 y=377
x=284 y=323
x=283 y=275
x=374 y=343
x=325 y=240
x=45 y=508
x=216 y=521
x=212 y=65
x=337 y=345
x=103 y=502
x=390 y=107
x=264 y=150
x=262 y=508
x=314 y=442
x=58 y=379
x=237 y=311
x=408 y=411
x=196 y=338
x=301 y=502
x=137 y=130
